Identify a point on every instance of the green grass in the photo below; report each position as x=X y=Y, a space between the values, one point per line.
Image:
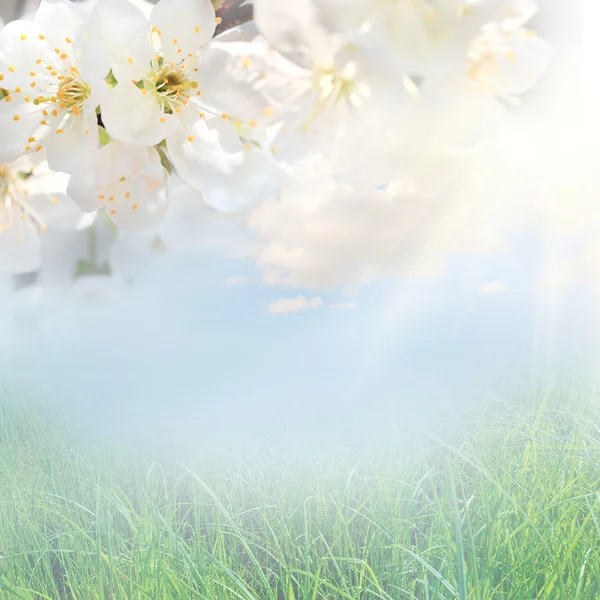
x=509 y=507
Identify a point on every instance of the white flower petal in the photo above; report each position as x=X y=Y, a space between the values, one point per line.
x=134 y=117
x=130 y=182
x=215 y=162
x=82 y=188
x=16 y=133
x=185 y=26
x=215 y=141
x=122 y=30
x=510 y=13
x=75 y=145
x=58 y=212
x=296 y=30
x=230 y=81
x=342 y=15
x=59 y=20
x=20 y=46
x=143 y=209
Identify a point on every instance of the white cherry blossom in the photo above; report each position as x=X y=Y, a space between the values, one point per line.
x=329 y=84
x=52 y=78
x=227 y=156
x=33 y=201
x=441 y=45
x=131 y=183
x=507 y=63
x=156 y=64
x=170 y=88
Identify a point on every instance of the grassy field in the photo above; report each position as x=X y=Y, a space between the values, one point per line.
x=508 y=506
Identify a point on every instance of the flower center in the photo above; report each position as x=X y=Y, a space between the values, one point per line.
x=71 y=95
x=13 y=194
x=8 y=187
x=170 y=84
x=335 y=87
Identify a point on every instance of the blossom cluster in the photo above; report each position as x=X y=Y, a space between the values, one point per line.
x=104 y=102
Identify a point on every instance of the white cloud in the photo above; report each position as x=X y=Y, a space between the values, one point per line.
x=493 y=288
x=235 y=280
x=353 y=239
x=284 y=306
x=344 y=306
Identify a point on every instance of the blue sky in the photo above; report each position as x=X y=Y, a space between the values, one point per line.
x=181 y=351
